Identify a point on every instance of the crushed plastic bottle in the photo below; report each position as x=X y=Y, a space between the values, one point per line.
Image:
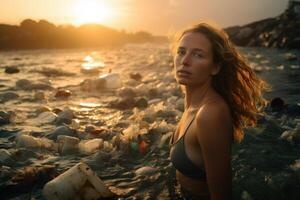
x=46 y=117
x=112 y=80
x=67 y=144
x=90 y=146
x=30 y=142
x=27 y=141
x=79 y=181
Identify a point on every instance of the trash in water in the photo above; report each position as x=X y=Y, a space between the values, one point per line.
x=112 y=80
x=39 y=95
x=67 y=144
x=30 y=142
x=143 y=147
x=79 y=182
x=46 y=117
x=75 y=124
x=65 y=116
x=61 y=130
x=146 y=170
x=134 y=146
x=63 y=94
x=5 y=157
x=90 y=146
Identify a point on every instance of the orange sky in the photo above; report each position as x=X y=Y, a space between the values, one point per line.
x=159 y=17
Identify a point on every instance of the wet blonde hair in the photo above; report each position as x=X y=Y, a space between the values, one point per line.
x=236 y=82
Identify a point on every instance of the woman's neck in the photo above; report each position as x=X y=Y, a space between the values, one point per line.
x=194 y=96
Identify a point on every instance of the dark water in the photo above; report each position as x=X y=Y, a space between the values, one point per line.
x=283 y=75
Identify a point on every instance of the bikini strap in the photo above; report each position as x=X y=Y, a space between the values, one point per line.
x=172 y=138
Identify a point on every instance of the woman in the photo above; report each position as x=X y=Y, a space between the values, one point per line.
x=222 y=95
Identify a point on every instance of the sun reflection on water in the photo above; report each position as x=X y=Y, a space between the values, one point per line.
x=89 y=104
x=90 y=63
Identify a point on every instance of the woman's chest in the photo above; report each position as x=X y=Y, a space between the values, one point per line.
x=186 y=128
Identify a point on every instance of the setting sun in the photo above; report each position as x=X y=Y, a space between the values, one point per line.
x=92 y=11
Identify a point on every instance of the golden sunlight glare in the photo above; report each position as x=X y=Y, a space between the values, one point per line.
x=92 y=11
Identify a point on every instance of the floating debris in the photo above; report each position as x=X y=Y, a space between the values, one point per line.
x=136 y=76
x=5 y=117
x=65 y=116
x=31 y=142
x=290 y=56
x=63 y=94
x=5 y=157
x=90 y=146
x=46 y=117
x=61 y=130
x=146 y=171
x=39 y=96
x=12 y=70
x=67 y=144
x=25 y=84
x=79 y=181
x=8 y=96
x=53 y=72
x=292 y=136
x=112 y=80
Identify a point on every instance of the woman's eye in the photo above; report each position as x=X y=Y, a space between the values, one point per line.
x=198 y=55
x=180 y=52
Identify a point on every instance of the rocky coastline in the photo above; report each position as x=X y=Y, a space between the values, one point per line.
x=279 y=32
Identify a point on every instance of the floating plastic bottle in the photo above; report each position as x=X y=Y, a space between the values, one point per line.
x=30 y=142
x=79 y=182
x=90 y=146
x=112 y=80
x=46 y=117
x=67 y=144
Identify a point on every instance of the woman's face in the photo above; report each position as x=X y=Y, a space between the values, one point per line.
x=193 y=60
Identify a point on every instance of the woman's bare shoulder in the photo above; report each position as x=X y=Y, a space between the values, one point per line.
x=214 y=118
x=213 y=110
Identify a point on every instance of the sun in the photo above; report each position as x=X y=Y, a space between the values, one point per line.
x=92 y=11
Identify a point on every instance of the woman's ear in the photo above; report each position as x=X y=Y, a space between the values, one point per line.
x=216 y=69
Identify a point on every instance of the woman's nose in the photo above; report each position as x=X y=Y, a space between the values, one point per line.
x=185 y=60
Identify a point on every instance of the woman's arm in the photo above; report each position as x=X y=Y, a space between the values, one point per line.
x=214 y=134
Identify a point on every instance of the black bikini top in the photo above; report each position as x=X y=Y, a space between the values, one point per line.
x=181 y=161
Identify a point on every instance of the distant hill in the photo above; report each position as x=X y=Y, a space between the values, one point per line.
x=280 y=32
x=43 y=34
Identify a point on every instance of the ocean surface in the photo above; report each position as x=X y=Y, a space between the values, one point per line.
x=271 y=64
x=58 y=92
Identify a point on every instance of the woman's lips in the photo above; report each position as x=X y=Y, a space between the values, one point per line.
x=183 y=73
